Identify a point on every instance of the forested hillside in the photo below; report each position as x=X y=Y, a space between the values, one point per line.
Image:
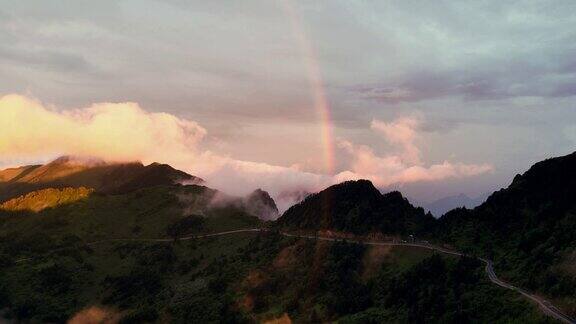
x=357 y=207
x=67 y=253
x=529 y=229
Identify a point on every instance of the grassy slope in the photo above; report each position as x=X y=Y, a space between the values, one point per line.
x=102 y=177
x=46 y=198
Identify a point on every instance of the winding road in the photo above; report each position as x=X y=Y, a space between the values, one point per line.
x=547 y=307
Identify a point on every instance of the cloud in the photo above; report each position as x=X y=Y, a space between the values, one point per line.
x=55 y=60
x=126 y=132
x=401 y=131
x=488 y=80
x=115 y=132
x=404 y=167
x=570 y=132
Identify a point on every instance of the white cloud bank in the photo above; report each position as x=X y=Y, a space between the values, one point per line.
x=126 y=132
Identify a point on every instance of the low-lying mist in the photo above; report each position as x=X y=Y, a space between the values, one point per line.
x=203 y=200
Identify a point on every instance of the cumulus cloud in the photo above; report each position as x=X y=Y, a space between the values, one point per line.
x=402 y=132
x=115 y=132
x=406 y=165
x=126 y=132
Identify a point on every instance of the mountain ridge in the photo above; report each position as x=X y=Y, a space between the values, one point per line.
x=527 y=230
x=92 y=173
x=357 y=207
x=259 y=203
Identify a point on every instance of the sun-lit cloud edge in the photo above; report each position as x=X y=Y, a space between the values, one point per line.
x=405 y=164
x=31 y=130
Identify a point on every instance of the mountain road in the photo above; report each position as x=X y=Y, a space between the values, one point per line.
x=547 y=307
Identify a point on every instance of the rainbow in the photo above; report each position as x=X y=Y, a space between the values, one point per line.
x=320 y=100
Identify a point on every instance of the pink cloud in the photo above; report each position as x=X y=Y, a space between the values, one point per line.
x=401 y=132
x=125 y=132
x=113 y=131
x=404 y=166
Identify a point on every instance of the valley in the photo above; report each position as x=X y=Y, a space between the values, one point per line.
x=162 y=252
x=545 y=305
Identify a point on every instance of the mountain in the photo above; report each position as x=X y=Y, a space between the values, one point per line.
x=296 y=195
x=91 y=173
x=98 y=259
x=68 y=179
x=287 y=198
x=443 y=205
x=126 y=255
x=540 y=199
x=356 y=207
x=529 y=229
x=46 y=198
x=14 y=174
x=260 y=203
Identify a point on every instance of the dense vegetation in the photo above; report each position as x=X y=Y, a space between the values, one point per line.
x=357 y=207
x=157 y=212
x=251 y=277
x=139 y=282
x=529 y=229
x=58 y=263
x=317 y=282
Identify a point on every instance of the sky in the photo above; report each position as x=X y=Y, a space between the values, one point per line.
x=433 y=98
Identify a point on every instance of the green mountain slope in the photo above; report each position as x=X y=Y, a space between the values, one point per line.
x=146 y=213
x=95 y=174
x=250 y=277
x=313 y=281
x=529 y=229
x=356 y=207
x=48 y=272
x=46 y=198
